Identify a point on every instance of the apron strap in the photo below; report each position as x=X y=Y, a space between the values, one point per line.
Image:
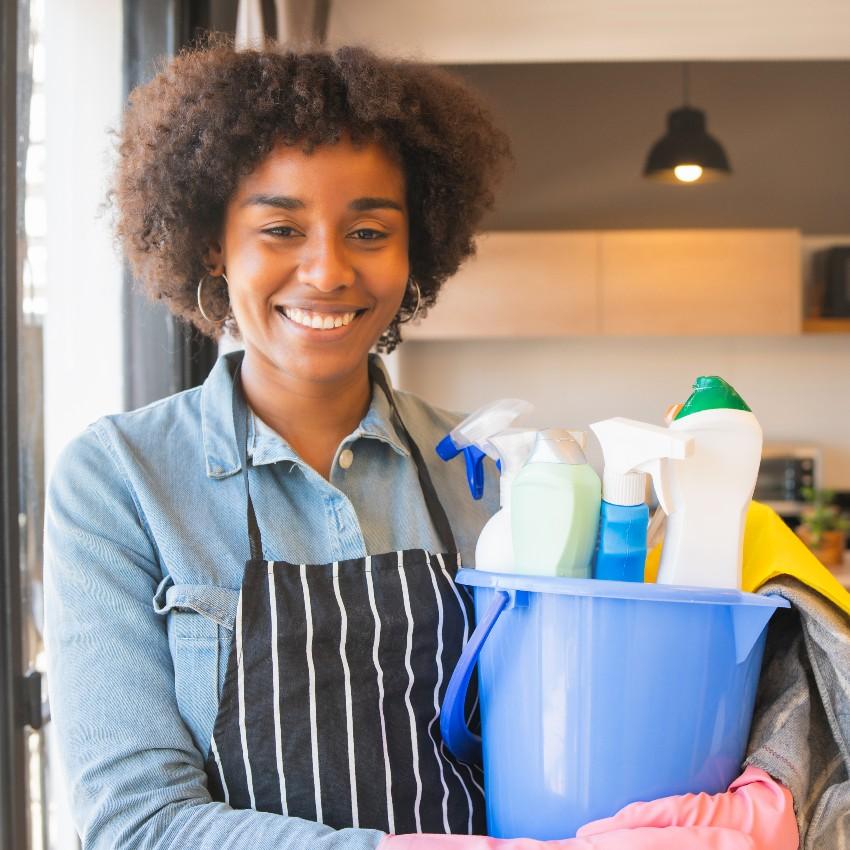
x=437 y=513
x=240 y=425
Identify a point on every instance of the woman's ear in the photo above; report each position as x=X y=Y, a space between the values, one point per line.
x=214 y=258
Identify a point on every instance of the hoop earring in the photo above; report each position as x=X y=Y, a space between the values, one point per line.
x=201 y=307
x=415 y=312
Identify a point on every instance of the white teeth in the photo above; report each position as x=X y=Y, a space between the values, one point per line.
x=319 y=321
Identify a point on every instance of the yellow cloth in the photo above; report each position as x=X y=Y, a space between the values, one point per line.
x=772 y=549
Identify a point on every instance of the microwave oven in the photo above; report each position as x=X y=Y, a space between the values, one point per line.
x=786 y=468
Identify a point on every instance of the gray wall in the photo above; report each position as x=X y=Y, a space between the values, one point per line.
x=581 y=132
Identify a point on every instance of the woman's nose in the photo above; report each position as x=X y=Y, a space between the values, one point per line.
x=325 y=265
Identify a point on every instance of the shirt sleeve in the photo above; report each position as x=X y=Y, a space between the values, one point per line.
x=135 y=778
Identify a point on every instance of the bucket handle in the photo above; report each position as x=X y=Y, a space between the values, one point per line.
x=464 y=744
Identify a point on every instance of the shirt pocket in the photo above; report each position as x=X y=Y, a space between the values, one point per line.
x=201 y=619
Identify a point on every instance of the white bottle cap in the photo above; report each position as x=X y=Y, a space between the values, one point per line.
x=556 y=445
x=628 y=489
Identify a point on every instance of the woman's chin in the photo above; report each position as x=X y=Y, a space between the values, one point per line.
x=321 y=363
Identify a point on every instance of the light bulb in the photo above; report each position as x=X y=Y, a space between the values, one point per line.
x=688 y=173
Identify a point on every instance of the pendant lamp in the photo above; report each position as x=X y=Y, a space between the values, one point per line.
x=686 y=153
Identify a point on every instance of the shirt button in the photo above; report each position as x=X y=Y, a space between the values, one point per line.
x=346 y=458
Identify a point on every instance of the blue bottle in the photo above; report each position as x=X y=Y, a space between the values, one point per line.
x=621 y=553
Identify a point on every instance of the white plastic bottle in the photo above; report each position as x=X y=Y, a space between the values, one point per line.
x=708 y=493
x=494 y=551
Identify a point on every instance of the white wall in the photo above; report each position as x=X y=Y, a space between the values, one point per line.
x=448 y=31
x=799 y=387
x=83 y=334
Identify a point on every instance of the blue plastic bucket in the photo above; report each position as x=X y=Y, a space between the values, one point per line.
x=595 y=694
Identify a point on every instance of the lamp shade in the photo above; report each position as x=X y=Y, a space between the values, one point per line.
x=686 y=153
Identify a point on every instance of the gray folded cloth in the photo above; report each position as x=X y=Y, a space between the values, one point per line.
x=801 y=730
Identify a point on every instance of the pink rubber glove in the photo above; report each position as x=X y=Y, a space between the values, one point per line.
x=756 y=806
x=756 y=813
x=645 y=838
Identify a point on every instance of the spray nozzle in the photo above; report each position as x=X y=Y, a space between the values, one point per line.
x=632 y=449
x=472 y=437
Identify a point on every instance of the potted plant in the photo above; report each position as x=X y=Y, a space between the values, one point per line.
x=823 y=527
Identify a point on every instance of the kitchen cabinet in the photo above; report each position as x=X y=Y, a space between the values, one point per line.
x=700 y=282
x=619 y=283
x=519 y=285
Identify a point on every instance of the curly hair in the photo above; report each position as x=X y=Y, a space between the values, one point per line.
x=213 y=113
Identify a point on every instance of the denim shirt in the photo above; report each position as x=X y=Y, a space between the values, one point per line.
x=145 y=547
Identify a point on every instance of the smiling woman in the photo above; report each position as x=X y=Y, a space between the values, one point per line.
x=309 y=202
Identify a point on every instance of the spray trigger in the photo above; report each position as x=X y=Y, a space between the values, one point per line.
x=474 y=457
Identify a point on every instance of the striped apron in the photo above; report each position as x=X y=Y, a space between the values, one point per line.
x=331 y=701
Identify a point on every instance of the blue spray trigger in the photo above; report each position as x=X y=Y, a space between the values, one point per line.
x=447 y=449
x=475 y=470
x=474 y=457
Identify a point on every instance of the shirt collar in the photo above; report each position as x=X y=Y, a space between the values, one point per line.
x=265 y=445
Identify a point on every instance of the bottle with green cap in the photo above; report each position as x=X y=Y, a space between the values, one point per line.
x=708 y=492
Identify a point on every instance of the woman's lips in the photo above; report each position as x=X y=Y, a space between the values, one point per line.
x=319 y=324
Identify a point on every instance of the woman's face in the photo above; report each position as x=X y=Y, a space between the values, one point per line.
x=315 y=249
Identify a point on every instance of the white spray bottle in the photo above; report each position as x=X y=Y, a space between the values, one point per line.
x=707 y=494
x=631 y=451
x=494 y=551
x=472 y=434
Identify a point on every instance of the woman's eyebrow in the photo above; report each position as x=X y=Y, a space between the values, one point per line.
x=364 y=204
x=286 y=202
x=283 y=202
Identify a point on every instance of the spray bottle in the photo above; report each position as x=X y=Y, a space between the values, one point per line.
x=631 y=451
x=472 y=434
x=494 y=551
x=555 y=508
x=710 y=491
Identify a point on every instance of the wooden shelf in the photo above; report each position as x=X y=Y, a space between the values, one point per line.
x=819 y=325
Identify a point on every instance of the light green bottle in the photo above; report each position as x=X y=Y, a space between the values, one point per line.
x=555 y=503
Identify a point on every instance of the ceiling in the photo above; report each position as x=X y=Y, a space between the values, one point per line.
x=581 y=133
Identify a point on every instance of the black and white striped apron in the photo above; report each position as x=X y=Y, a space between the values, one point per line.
x=330 y=707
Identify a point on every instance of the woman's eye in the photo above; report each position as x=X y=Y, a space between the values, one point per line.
x=281 y=231
x=370 y=234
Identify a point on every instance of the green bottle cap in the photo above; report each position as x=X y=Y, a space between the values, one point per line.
x=711 y=393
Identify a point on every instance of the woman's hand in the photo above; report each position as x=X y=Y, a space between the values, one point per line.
x=756 y=813
x=755 y=806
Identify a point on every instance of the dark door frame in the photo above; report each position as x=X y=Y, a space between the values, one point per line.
x=13 y=819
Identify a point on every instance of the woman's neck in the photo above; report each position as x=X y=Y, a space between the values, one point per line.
x=313 y=417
